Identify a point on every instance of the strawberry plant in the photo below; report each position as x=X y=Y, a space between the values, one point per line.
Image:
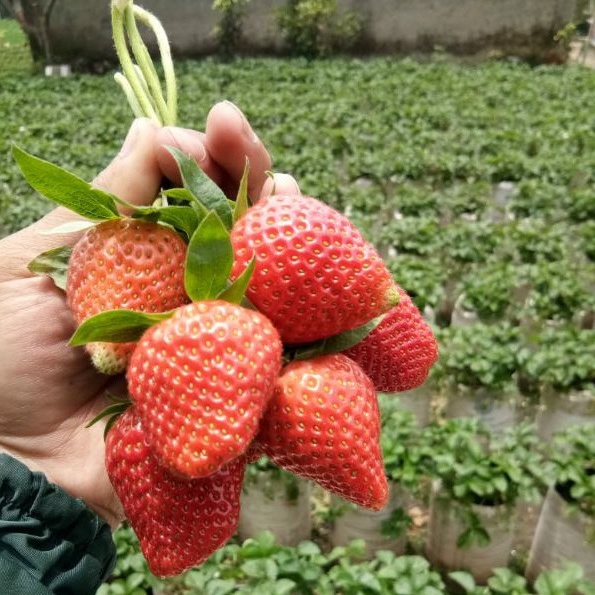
x=573 y=459
x=489 y=290
x=562 y=357
x=479 y=356
x=560 y=290
x=568 y=578
x=475 y=467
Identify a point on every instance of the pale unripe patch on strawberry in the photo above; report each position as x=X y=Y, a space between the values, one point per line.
x=315 y=274
x=201 y=380
x=125 y=264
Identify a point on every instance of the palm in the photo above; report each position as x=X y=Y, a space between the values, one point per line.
x=59 y=401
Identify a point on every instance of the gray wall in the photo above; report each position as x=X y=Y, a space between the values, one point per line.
x=82 y=27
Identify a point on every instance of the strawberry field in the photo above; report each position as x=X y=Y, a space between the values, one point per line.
x=476 y=184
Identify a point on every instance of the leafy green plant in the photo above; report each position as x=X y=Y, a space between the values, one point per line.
x=573 y=459
x=475 y=467
x=479 y=356
x=402 y=446
x=131 y=576
x=569 y=578
x=228 y=31
x=562 y=357
x=269 y=477
x=314 y=28
x=489 y=290
x=559 y=290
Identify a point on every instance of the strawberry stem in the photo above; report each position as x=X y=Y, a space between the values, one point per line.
x=140 y=82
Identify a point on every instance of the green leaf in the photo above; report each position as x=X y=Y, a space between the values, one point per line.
x=53 y=263
x=64 y=188
x=209 y=259
x=236 y=290
x=339 y=342
x=206 y=192
x=464 y=579
x=182 y=218
x=116 y=326
x=242 y=204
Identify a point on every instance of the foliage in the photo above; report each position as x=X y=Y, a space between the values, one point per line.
x=490 y=291
x=479 y=355
x=562 y=357
x=15 y=55
x=573 y=458
x=475 y=467
x=131 y=575
x=262 y=567
x=314 y=28
x=569 y=578
x=228 y=31
x=269 y=477
x=402 y=446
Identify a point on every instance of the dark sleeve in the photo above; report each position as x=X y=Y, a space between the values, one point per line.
x=50 y=543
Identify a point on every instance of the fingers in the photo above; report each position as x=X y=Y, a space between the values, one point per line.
x=280 y=184
x=190 y=142
x=229 y=139
x=134 y=174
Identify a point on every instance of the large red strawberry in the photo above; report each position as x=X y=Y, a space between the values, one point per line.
x=398 y=354
x=315 y=275
x=323 y=424
x=124 y=264
x=179 y=522
x=201 y=381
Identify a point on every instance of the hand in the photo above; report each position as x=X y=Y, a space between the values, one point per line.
x=48 y=390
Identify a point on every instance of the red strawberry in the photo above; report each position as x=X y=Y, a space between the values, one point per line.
x=398 y=354
x=124 y=264
x=179 y=522
x=201 y=380
x=323 y=424
x=315 y=275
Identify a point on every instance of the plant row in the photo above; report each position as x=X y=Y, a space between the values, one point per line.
x=259 y=566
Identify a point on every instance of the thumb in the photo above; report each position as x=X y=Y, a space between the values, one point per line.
x=134 y=174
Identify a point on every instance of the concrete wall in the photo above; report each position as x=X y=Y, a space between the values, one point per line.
x=81 y=28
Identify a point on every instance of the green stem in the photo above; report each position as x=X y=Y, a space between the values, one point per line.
x=144 y=61
x=127 y=64
x=171 y=89
x=132 y=100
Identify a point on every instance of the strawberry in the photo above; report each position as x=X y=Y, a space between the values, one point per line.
x=124 y=264
x=179 y=522
x=201 y=380
x=315 y=275
x=398 y=354
x=323 y=423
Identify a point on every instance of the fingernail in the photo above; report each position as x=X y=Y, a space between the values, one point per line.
x=189 y=141
x=246 y=128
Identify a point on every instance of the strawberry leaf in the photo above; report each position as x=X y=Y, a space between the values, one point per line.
x=184 y=219
x=209 y=259
x=236 y=290
x=242 y=204
x=116 y=326
x=53 y=263
x=205 y=191
x=338 y=343
x=64 y=188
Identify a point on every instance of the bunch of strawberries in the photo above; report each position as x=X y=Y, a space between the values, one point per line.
x=242 y=331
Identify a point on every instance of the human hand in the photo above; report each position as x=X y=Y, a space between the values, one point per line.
x=48 y=390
